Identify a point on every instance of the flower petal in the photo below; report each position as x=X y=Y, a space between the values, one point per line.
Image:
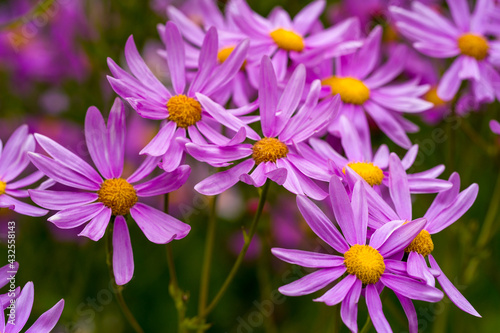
x=399 y=189
x=175 y=56
x=96 y=228
x=339 y=292
x=342 y=210
x=411 y=288
x=308 y=259
x=165 y=183
x=48 y=320
x=312 y=282
x=59 y=200
x=123 y=257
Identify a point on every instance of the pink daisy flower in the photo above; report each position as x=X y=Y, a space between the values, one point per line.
x=464 y=38
x=13 y=161
x=369 y=266
x=99 y=197
x=364 y=88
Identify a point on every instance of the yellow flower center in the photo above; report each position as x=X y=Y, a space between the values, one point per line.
x=118 y=195
x=421 y=244
x=269 y=150
x=371 y=173
x=472 y=45
x=3 y=186
x=365 y=262
x=287 y=40
x=432 y=96
x=184 y=111
x=351 y=90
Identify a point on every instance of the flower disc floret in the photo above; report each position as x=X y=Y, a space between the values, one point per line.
x=365 y=262
x=287 y=40
x=118 y=195
x=433 y=97
x=3 y=186
x=421 y=244
x=184 y=111
x=269 y=150
x=351 y=90
x=371 y=173
x=472 y=45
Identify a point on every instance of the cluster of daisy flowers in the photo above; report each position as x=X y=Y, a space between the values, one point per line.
x=255 y=97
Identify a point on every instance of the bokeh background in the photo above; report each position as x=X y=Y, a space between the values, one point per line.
x=53 y=67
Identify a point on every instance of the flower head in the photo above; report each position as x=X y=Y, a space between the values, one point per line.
x=368 y=264
x=101 y=196
x=13 y=161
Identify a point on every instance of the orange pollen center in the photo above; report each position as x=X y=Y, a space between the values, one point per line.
x=3 y=186
x=269 y=150
x=365 y=262
x=351 y=90
x=287 y=40
x=184 y=111
x=472 y=45
x=432 y=96
x=421 y=244
x=118 y=195
x=371 y=173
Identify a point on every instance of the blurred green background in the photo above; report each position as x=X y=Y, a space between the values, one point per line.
x=63 y=266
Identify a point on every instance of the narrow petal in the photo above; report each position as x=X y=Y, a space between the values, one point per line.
x=291 y=97
x=158 y=227
x=268 y=97
x=375 y=309
x=399 y=188
x=20 y=207
x=175 y=57
x=47 y=321
x=342 y=209
x=460 y=12
x=360 y=209
x=312 y=282
x=411 y=288
x=450 y=83
x=96 y=228
x=338 y=293
x=76 y=216
x=308 y=16
x=162 y=140
x=26 y=181
x=123 y=257
x=116 y=138
x=164 y=183
x=146 y=167
x=59 y=200
x=308 y=259
x=349 y=308
x=451 y=291
x=96 y=135
x=410 y=312
x=24 y=304
x=400 y=238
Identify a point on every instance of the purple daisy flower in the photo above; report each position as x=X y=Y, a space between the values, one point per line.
x=464 y=38
x=274 y=155
x=364 y=88
x=13 y=161
x=109 y=195
x=24 y=303
x=282 y=38
x=447 y=207
x=372 y=168
x=369 y=267
x=495 y=126
x=182 y=114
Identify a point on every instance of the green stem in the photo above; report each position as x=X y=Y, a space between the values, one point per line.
x=241 y=255
x=367 y=325
x=207 y=258
x=175 y=292
x=119 y=296
x=452 y=136
x=476 y=138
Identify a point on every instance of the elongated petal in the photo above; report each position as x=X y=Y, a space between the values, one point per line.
x=338 y=293
x=291 y=96
x=312 y=282
x=162 y=140
x=76 y=216
x=96 y=228
x=399 y=189
x=360 y=209
x=375 y=309
x=59 y=200
x=268 y=97
x=116 y=138
x=13 y=159
x=24 y=305
x=342 y=210
x=321 y=225
x=308 y=16
x=308 y=259
x=96 y=135
x=175 y=56
x=450 y=83
x=400 y=238
x=123 y=257
x=26 y=181
x=158 y=227
x=349 y=309
x=165 y=183
x=146 y=167
x=410 y=312
x=20 y=207
x=411 y=288
x=47 y=321
x=451 y=291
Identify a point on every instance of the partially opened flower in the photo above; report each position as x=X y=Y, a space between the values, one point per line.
x=13 y=161
x=464 y=38
x=446 y=208
x=372 y=168
x=99 y=197
x=182 y=113
x=284 y=124
x=369 y=266
x=282 y=38
x=15 y=322
x=364 y=87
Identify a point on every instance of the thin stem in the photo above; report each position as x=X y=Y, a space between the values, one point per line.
x=452 y=136
x=241 y=255
x=476 y=138
x=119 y=296
x=175 y=292
x=207 y=258
x=367 y=326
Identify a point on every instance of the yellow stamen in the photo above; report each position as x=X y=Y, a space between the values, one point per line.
x=287 y=40
x=472 y=45
x=371 y=173
x=118 y=195
x=365 y=262
x=351 y=90
x=3 y=186
x=432 y=96
x=421 y=244
x=269 y=150
x=184 y=111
